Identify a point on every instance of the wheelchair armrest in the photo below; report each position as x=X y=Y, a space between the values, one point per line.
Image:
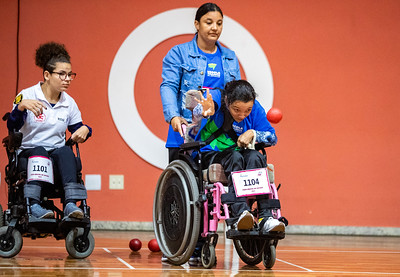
x=261 y=145
x=13 y=141
x=192 y=145
x=70 y=142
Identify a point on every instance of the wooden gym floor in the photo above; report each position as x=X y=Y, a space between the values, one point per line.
x=297 y=255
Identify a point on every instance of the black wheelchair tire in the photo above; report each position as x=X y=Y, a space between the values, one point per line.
x=76 y=246
x=183 y=185
x=208 y=257
x=269 y=255
x=250 y=251
x=11 y=247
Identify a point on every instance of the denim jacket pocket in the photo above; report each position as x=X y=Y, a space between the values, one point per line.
x=188 y=76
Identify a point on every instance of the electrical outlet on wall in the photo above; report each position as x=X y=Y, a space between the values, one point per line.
x=116 y=181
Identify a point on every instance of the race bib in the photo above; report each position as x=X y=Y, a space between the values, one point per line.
x=40 y=169
x=251 y=182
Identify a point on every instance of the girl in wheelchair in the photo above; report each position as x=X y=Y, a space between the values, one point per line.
x=43 y=113
x=190 y=196
x=236 y=121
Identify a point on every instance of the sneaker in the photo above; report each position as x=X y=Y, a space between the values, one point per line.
x=71 y=210
x=271 y=224
x=40 y=212
x=195 y=259
x=245 y=222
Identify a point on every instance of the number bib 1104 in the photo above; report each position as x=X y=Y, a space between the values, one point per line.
x=40 y=169
x=251 y=182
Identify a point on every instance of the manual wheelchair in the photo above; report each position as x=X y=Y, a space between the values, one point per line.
x=188 y=198
x=17 y=221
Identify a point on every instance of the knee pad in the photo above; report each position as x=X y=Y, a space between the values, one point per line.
x=32 y=190
x=75 y=191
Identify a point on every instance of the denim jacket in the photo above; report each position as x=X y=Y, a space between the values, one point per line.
x=184 y=69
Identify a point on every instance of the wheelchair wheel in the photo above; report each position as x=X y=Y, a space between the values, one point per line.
x=208 y=257
x=250 y=251
x=78 y=247
x=12 y=246
x=269 y=255
x=176 y=218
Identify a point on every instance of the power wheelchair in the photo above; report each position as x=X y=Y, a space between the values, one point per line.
x=17 y=221
x=188 y=198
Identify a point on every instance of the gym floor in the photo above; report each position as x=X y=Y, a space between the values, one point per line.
x=297 y=255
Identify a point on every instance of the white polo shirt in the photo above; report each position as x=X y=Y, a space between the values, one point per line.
x=48 y=129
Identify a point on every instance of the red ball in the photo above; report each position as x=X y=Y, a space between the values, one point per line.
x=274 y=115
x=135 y=244
x=153 y=245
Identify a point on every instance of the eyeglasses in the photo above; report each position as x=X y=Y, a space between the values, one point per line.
x=63 y=75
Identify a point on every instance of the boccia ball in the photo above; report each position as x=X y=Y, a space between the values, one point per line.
x=274 y=115
x=153 y=245
x=135 y=244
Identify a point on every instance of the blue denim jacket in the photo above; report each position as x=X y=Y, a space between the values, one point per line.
x=184 y=69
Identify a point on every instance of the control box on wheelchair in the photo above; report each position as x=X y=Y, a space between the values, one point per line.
x=17 y=221
x=190 y=201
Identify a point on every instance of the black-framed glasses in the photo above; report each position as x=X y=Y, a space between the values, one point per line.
x=63 y=75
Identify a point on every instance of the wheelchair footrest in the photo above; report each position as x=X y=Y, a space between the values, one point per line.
x=34 y=220
x=236 y=234
x=69 y=223
x=41 y=225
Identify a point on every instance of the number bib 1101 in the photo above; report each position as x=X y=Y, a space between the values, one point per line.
x=40 y=169
x=251 y=182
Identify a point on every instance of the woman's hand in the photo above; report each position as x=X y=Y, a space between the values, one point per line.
x=34 y=106
x=80 y=135
x=176 y=124
x=207 y=103
x=245 y=139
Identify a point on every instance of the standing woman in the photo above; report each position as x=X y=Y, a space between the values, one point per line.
x=43 y=113
x=200 y=63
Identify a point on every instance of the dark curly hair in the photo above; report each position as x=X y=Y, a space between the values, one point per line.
x=48 y=54
x=238 y=90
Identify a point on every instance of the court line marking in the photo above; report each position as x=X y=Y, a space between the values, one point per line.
x=195 y=269
x=309 y=270
x=341 y=251
x=119 y=259
x=237 y=270
x=278 y=250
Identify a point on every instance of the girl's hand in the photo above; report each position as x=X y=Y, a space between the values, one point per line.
x=207 y=103
x=245 y=139
x=35 y=106
x=80 y=135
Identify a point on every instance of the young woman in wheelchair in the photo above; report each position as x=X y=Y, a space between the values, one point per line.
x=43 y=113
x=236 y=120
